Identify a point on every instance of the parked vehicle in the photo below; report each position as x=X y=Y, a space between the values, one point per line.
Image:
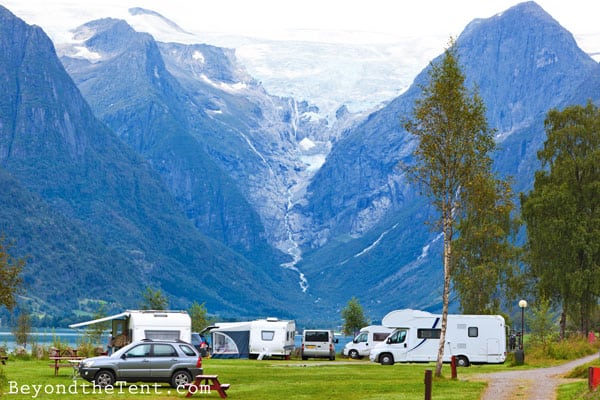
x=318 y=343
x=261 y=338
x=133 y=325
x=200 y=343
x=470 y=338
x=367 y=338
x=171 y=361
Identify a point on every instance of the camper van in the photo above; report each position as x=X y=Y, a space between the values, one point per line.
x=366 y=339
x=133 y=325
x=262 y=338
x=470 y=338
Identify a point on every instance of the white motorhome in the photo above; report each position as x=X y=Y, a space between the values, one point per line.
x=470 y=338
x=367 y=338
x=260 y=338
x=133 y=325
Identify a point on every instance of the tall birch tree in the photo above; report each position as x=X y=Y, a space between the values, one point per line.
x=454 y=142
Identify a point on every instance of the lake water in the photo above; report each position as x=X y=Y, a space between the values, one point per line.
x=47 y=337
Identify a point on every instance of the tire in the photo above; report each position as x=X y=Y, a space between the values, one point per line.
x=353 y=354
x=181 y=378
x=386 y=359
x=104 y=378
x=462 y=361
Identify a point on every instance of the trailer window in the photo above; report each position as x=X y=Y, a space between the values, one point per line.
x=161 y=335
x=473 y=331
x=429 y=333
x=267 y=335
x=380 y=337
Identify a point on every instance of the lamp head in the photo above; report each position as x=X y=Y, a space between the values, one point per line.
x=523 y=303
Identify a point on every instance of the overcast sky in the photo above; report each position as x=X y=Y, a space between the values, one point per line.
x=401 y=37
x=279 y=18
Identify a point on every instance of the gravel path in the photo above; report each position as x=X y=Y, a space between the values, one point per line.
x=534 y=384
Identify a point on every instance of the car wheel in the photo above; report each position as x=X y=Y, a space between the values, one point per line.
x=181 y=378
x=353 y=354
x=462 y=361
x=386 y=359
x=104 y=378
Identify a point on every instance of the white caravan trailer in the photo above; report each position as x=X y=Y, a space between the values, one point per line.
x=471 y=338
x=367 y=338
x=261 y=338
x=133 y=325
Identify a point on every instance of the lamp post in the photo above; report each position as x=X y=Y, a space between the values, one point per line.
x=520 y=354
x=523 y=305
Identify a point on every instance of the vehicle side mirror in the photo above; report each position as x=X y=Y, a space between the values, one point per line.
x=388 y=341
x=354 y=341
x=124 y=356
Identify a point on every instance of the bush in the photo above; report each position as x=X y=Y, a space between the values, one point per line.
x=85 y=348
x=568 y=349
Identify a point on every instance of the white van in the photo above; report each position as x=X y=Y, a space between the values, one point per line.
x=416 y=338
x=318 y=343
x=366 y=339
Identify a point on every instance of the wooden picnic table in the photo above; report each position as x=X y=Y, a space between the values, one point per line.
x=205 y=384
x=3 y=359
x=65 y=358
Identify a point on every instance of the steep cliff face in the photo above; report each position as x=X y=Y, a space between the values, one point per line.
x=522 y=63
x=126 y=82
x=73 y=168
x=229 y=152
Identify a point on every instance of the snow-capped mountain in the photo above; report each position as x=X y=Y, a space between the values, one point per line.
x=271 y=180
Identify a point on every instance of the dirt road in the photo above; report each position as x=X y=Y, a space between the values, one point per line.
x=535 y=384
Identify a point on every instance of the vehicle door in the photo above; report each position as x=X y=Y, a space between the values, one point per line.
x=135 y=363
x=361 y=343
x=164 y=357
x=398 y=342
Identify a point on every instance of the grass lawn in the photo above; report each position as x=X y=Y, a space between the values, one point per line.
x=280 y=379
x=251 y=379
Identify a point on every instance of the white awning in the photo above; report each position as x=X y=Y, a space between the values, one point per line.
x=96 y=321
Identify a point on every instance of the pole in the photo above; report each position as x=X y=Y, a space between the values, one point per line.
x=428 y=384
x=522 y=327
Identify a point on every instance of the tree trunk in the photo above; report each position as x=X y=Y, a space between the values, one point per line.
x=563 y=321
x=446 y=293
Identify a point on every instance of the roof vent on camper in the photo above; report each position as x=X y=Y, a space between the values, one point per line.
x=272 y=319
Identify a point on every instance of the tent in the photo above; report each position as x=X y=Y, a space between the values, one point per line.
x=231 y=340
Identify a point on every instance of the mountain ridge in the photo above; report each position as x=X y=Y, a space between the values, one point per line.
x=215 y=179
x=83 y=172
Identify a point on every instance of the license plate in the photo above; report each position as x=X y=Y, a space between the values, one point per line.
x=310 y=346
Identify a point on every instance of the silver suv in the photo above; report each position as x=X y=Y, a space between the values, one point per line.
x=172 y=361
